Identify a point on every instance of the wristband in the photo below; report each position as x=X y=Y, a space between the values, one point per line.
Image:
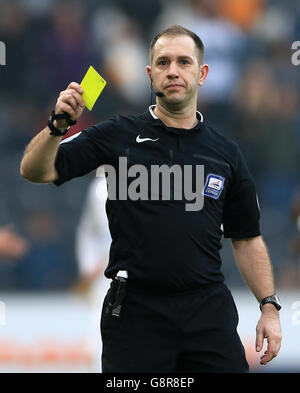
x=55 y=131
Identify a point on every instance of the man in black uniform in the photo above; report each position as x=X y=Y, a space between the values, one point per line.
x=177 y=315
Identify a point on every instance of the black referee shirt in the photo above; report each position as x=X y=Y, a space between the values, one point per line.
x=163 y=246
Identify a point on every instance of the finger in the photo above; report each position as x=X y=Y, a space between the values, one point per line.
x=267 y=357
x=75 y=86
x=69 y=99
x=271 y=352
x=75 y=95
x=64 y=107
x=259 y=340
x=78 y=99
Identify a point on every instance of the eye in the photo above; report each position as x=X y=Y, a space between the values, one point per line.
x=185 y=62
x=162 y=62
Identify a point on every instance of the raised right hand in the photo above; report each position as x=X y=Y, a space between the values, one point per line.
x=71 y=102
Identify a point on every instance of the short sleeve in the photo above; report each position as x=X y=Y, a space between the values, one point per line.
x=84 y=152
x=241 y=210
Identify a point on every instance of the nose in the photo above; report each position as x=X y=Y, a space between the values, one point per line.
x=172 y=71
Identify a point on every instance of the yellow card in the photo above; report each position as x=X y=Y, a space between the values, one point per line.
x=92 y=84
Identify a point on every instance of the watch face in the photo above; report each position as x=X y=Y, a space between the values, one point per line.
x=275 y=298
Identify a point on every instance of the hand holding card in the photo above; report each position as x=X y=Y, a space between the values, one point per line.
x=71 y=102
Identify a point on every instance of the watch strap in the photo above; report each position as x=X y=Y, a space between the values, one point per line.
x=273 y=299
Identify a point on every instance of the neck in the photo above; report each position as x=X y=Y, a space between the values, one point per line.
x=177 y=117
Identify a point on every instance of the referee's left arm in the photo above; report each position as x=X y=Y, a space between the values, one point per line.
x=254 y=263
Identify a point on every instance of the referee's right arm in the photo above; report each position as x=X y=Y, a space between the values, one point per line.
x=37 y=164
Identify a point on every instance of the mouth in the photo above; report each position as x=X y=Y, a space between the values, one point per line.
x=174 y=87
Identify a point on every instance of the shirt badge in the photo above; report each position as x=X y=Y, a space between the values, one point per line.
x=214 y=185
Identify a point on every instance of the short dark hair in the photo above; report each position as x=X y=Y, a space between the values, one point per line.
x=179 y=30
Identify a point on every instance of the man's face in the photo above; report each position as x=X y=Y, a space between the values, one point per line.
x=175 y=69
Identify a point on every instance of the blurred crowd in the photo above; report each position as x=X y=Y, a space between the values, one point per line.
x=251 y=96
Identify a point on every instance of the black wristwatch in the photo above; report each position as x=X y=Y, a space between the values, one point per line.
x=55 y=131
x=274 y=299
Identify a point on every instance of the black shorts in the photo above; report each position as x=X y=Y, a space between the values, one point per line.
x=190 y=332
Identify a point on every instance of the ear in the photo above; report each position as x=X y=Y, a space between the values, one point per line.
x=203 y=74
x=148 y=68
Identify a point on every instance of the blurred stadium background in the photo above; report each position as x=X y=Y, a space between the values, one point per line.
x=49 y=316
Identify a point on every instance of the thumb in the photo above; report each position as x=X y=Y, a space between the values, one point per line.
x=259 y=339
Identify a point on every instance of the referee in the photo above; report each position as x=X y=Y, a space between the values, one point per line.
x=170 y=311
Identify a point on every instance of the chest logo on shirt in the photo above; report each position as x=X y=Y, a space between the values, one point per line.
x=214 y=185
x=140 y=140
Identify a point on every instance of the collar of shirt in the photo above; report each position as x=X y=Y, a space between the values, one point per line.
x=180 y=131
